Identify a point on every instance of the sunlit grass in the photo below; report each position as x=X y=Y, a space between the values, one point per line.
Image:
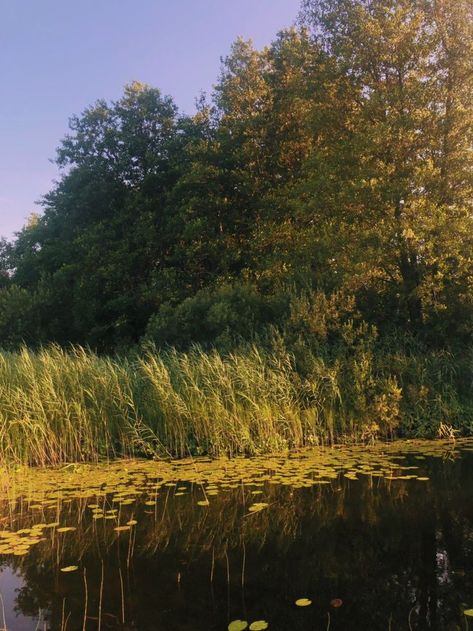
x=58 y=406
x=70 y=406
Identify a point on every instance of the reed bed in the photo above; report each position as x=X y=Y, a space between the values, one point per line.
x=60 y=406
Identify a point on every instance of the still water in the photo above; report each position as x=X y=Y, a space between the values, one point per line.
x=375 y=538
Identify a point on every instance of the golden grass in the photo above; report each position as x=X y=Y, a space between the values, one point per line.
x=62 y=406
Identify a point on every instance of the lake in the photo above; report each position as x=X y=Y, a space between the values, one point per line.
x=346 y=538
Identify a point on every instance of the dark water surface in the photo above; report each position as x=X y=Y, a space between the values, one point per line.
x=349 y=524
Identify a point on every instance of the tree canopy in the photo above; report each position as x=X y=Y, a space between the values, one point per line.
x=329 y=178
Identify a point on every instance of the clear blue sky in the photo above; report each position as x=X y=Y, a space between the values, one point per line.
x=59 y=56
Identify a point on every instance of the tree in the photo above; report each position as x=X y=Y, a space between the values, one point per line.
x=411 y=69
x=5 y=271
x=19 y=322
x=101 y=234
x=334 y=167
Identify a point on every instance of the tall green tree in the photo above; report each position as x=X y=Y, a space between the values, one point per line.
x=334 y=167
x=103 y=230
x=411 y=70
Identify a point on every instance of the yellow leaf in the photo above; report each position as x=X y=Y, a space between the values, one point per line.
x=303 y=602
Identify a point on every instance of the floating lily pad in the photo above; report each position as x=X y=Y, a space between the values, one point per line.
x=238 y=625
x=254 y=508
x=259 y=625
x=303 y=602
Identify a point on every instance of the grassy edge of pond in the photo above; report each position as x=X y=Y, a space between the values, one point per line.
x=61 y=406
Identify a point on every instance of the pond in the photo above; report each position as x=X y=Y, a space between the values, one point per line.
x=345 y=538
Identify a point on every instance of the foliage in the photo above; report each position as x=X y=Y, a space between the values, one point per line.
x=320 y=201
x=18 y=318
x=219 y=317
x=61 y=406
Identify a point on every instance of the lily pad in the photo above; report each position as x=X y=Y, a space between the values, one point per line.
x=238 y=625
x=303 y=602
x=254 y=508
x=66 y=529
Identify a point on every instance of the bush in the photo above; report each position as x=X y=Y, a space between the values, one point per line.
x=220 y=317
x=19 y=321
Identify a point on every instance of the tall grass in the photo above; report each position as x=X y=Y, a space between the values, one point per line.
x=61 y=406
x=57 y=406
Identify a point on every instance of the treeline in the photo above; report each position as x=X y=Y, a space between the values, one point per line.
x=320 y=200
x=328 y=179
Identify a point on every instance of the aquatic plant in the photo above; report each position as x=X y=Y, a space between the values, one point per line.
x=88 y=525
x=72 y=406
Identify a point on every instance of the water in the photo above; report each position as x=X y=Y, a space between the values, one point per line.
x=353 y=530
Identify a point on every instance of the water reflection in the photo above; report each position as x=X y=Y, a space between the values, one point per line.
x=397 y=552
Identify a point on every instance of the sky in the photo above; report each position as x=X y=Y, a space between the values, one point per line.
x=59 y=56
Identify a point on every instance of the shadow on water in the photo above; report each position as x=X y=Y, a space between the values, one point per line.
x=396 y=550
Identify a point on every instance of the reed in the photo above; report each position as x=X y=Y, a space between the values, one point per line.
x=60 y=406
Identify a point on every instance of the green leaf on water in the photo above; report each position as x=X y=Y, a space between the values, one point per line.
x=303 y=602
x=259 y=625
x=238 y=625
x=69 y=568
x=254 y=508
x=468 y=612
